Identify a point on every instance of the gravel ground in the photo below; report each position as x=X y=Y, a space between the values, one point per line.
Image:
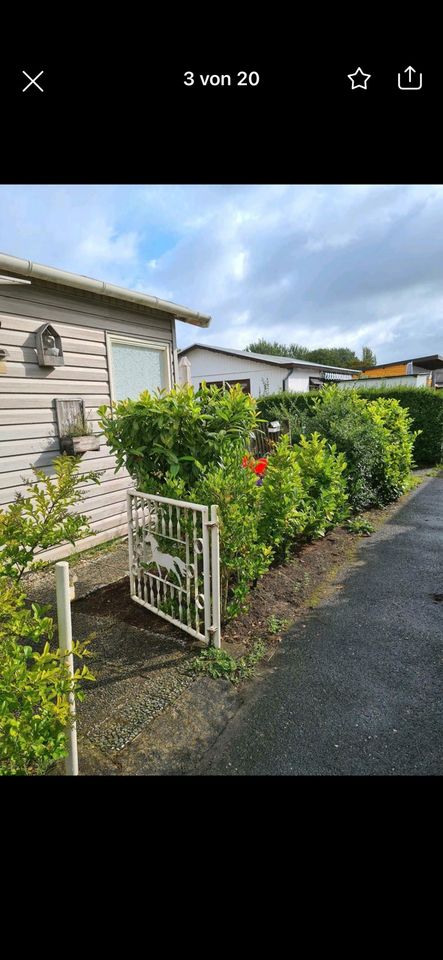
x=140 y=669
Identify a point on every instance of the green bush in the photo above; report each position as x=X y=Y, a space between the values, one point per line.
x=304 y=493
x=425 y=408
x=424 y=404
x=243 y=555
x=324 y=487
x=286 y=406
x=171 y=438
x=191 y=445
x=41 y=520
x=342 y=419
x=282 y=515
x=35 y=683
x=34 y=687
x=394 y=424
x=375 y=439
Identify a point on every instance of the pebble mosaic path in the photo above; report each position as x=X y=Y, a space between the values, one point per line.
x=138 y=672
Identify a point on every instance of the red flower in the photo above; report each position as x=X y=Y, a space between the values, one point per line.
x=260 y=466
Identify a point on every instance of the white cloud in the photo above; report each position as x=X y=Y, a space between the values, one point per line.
x=240 y=319
x=315 y=264
x=100 y=244
x=239 y=264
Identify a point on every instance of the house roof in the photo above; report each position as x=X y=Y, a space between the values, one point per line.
x=433 y=362
x=38 y=271
x=288 y=362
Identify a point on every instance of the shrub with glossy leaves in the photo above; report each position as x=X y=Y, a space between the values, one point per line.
x=244 y=556
x=324 y=493
x=164 y=438
x=282 y=516
x=34 y=687
x=41 y=520
x=303 y=494
x=394 y=423
x=376 y=442
x=425 y=407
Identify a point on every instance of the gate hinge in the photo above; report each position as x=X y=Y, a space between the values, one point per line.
x=211 y=523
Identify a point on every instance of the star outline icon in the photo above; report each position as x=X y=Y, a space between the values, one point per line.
x=359 y=73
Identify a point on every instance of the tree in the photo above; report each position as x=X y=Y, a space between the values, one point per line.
x=276 y=349
x=368 y=358
x=334 y=357
x=329 y=356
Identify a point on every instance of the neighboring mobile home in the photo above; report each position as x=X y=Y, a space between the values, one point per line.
x=418 y=372
x=258 y=374
x=66 y=337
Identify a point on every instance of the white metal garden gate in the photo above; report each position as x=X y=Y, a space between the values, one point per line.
x=174 y=562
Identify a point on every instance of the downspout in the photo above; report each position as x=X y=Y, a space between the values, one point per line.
x=285 y=380
x=175 y=377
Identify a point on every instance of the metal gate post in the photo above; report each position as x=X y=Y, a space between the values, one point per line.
x=130 y=541
x=215 y=577
x=206 y=574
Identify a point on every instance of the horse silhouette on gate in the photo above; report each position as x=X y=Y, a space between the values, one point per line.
x=164 y=561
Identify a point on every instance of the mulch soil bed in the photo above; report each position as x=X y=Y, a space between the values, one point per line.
x=115 y=601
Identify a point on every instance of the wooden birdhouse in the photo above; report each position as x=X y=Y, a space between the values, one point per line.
x=49 y=347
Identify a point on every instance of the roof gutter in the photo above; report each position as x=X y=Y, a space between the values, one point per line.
x=52 y=275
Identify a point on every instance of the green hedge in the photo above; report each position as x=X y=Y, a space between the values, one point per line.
x=424 y=404
x=285 y=405
x=426 y=411
x=193 y=445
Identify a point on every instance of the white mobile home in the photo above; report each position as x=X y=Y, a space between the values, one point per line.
x=68 y=342
x=258 y=374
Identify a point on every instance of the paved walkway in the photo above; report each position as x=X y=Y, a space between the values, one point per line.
x=355 y=687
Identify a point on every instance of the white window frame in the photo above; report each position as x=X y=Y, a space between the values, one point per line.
x=160 y=345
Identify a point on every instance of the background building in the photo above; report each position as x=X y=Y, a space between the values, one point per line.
x=257 y=374
x=418 y=372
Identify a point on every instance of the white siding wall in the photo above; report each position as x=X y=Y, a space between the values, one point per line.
x=28 y=429
x=208 y=365
x=299 y=381
x=407 y=381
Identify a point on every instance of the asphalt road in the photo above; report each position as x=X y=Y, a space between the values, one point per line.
x=354 y=689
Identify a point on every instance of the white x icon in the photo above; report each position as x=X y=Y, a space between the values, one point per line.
x=32 y=81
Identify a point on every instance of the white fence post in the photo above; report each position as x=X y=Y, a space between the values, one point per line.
x=65 y=643
x=184 y=368
x=215 y=576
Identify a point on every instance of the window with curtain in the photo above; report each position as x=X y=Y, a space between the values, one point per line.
x=245 y=384
x=137 y=365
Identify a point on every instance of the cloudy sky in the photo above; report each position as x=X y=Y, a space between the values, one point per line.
x=317 y=265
